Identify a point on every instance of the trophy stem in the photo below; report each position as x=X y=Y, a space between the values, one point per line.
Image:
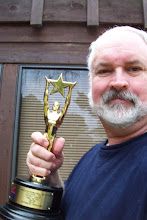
x=38 y=179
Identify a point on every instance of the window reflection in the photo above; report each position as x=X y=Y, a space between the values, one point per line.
x=80 y=128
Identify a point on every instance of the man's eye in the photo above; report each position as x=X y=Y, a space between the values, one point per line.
x=103 y=72
x=134 y=69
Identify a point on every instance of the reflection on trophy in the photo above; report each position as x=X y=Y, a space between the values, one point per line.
x=33 y=198
x=54 y=118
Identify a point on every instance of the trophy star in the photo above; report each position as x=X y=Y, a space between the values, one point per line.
x=59 y=85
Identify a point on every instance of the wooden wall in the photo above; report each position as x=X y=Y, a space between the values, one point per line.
x=110 y=11
x=50 y=32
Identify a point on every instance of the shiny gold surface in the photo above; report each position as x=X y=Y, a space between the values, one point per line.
x=54 y=117
x=37 y=179
x=31 y=198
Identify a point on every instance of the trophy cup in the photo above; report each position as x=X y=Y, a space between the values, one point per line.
x=33 y=198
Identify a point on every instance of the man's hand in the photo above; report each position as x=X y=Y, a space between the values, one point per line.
x=42 y=162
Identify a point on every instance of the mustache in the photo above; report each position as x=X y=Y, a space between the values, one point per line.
x=124 y=95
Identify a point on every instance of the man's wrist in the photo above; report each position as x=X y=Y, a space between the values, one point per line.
x=54 y=179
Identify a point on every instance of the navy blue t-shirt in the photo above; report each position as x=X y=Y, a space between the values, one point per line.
x=109 y=183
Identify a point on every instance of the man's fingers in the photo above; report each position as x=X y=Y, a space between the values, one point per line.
x=40 y=152
x=47 y=164
x=58 y=147
x=39 y=139
x=38 y=171
x=42 y=162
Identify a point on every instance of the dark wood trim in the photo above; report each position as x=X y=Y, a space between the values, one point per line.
x=7 y=115
x=37 y=13
x=145 y=13
x=43 y=53
x=55 y=33
x=92 y=12
x=0 y=79
x=110 y=12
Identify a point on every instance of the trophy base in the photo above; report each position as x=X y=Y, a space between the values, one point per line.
x=9 y=211
x=29 y=200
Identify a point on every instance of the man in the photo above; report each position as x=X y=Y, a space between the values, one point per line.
x=110 y=181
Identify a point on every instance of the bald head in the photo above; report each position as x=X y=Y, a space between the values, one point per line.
x=120 y=36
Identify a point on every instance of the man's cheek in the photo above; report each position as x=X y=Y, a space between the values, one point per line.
x=95 y=95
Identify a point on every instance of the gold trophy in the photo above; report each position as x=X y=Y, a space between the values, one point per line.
x=33 y=198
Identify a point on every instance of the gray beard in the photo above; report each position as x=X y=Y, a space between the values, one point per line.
x=119 y=115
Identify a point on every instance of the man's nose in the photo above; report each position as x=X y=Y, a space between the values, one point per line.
x=119 y=80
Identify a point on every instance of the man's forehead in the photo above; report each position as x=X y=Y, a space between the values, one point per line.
x=118 y=46
x=121 y=44
x=131 y=55
x=106 y=63
x=119 y=37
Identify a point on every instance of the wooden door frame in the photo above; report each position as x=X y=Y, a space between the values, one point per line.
x=7 y=117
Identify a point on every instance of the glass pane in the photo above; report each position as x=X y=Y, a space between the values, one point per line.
x=80 y=127
x=0 y=70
